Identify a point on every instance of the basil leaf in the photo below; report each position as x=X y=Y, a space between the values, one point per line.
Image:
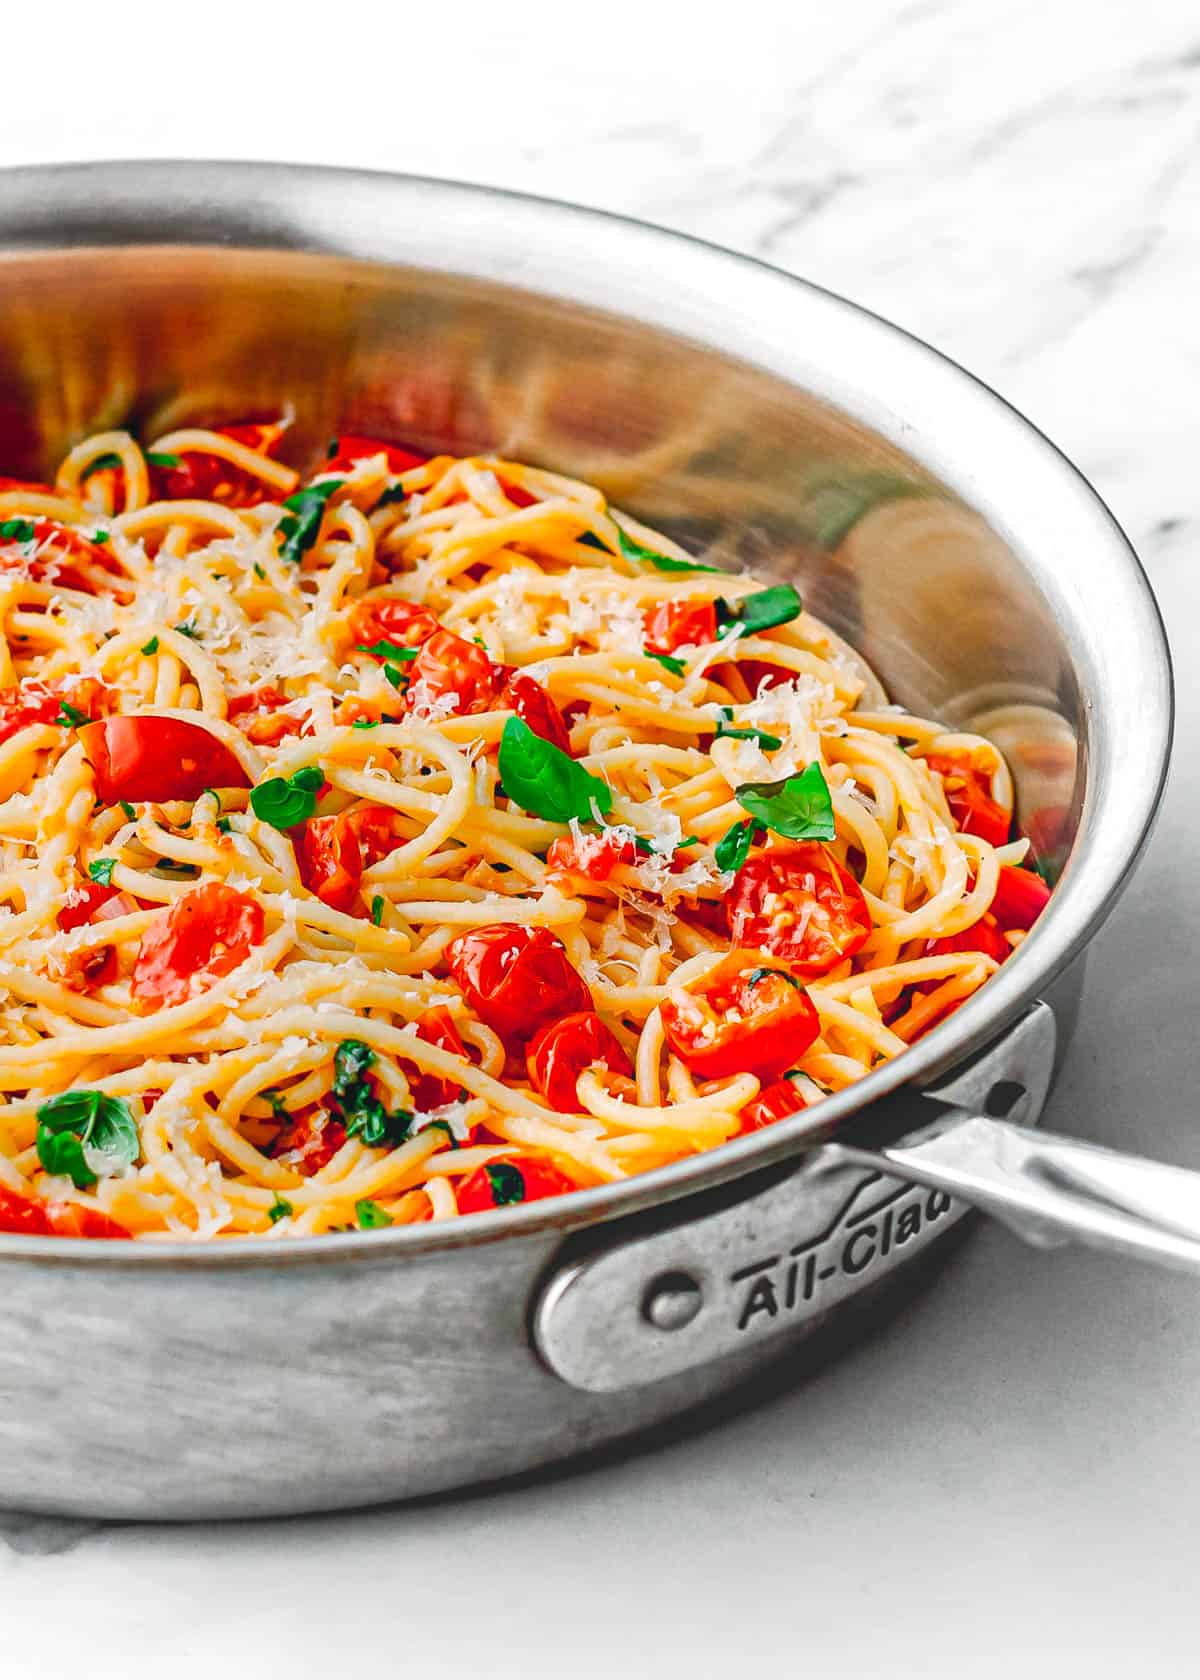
x=224 y=825
x=363 y=1114
x=634 y=550
x=284 y=801
x=371 y=1217
x=18 y=530
x=301 y=525
x=690 y=840
x=187 y=628
x=276 y=1102
x=376 y=1125
x=397 y=677
x=445 y=1126
x=99 y=536
x=762 y=610
x=173 y=866
x=389 y=650
x=731 y=732
x=128 y=809
x=351 y=1061
x=798 y=807
x=546 y=781
x=102 y=463
x=675 y=666
x=70 y=716
x=733 y=848
x=762 y=973
x=258 y=571
x=377 y=909
x=507 y=1181
x=100 y=869
x=279 y=1209
x=84 y=1133
x=151 y=646
x=393 y=493
x=365 y=723
x=160 y=458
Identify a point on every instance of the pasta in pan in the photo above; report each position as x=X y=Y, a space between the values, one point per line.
x=422 y=837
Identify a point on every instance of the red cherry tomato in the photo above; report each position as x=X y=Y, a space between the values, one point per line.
x=256 y=715
x=983 y=935
x=773 y=1102
x=968 y=796
x=740 y=1018
x=521 y=1178
x=22 y=1215
x=389 y=620
x=530 y=701
x=560 y=1052
x=430 y=1090
x=313 y=1136
x=711 y=914
x=516 y=978
x=797 y=902
x=31 y=701
x=59 y=554
x=332 y=852
x=674 y=624
x=349 y=448
x=207 y=478
x=594 y=856
x=85 y=904
x=204 y=935
x=68 y=1219
x=32 y=486
x=448 y=665
x=1021 y=896
x=147 y=757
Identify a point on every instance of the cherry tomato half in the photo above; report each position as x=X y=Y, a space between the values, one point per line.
x=348 y=448
x=521 y=1178
x=207 y=478
x=984 y=935
x=31 y=701
x=313 y=1136
x=533 y=705
x=87 y=904
x=448 y=665
x=430 y=1090
x=332 y=852
x=674 y=624
x=560 y=1052
x=204 y=935
x=59 y=554
x=68 y=1219
x=797 y=902
x=969 y=798
x=143 y=756
x=740 y=1018
x=594 y=856
x=390 y=620
x=773 y=1102
x=516 y=978
x=22 y=1215
x=258 y=716
x=1021 y=896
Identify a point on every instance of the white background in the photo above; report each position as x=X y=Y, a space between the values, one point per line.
x=1008 y=1474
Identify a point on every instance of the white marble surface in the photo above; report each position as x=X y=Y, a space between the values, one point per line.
x=1009 y=1473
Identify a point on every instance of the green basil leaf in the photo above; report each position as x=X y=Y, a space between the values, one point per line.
x=17 y=530
x=161 y=458
x=62 y=1153
x=102 y=463
x=380 y=1127
x=151 y=646
x=547 y=782
x=258 y=571
x=224 y=825
x=390 y=650
x=173 y=866
x=128 y=809
x=70 y=716
x=371 y=1217
x=276 y=1102
x=507 y=1181
x=99 y=536
x=730 y=732
x=634 y=550
x=100 y=869
x=86 y=1133
x=365 y=723
x=689 y=840
x=733 y=848
x=762 y=973
x=675 y=666
x=187 y=628
x=301 y=525
x=284 y=801
x=397 y=677
x=762 y=610
x=798 y=807
x=279 y=1209
x=393 y=493
x=377 y=909
x=352 y=1060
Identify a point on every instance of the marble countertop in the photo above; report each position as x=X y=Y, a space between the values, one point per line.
x=1007 y=1473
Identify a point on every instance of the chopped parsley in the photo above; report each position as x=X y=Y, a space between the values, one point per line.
x=99 y=536
x=284 y=801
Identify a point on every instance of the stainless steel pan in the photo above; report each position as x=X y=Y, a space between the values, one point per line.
x=779 y=426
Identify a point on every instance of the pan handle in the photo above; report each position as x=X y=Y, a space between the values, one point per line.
x=651 y=1305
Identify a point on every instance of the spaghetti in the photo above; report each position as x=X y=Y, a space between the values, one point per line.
x=423 y=837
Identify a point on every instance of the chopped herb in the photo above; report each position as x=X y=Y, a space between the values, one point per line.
x=633 y=550
x=172 y=866
x=676 y=667
x=371 y=1217
x=762 y=610
x=390 y=650
x=276 y=1102
x=284 y=801
x=365 y=723
x=100 y=869
x=546 y=781
x=397 y=677
x=393 y=493
x=301 y=525
x=733 y=848
x=214 y=796
x=363 y=1114
x=331 y=449
x=18 y=530
x=691 y=840
x=102 y=463
x=351 y=1061
x=507 y=1181
x=86 y=1134
x=377 y=909
x=258 y=571
x=762 y=973
x=279 y=1209
x=187 y=628
x=224 y=825
x=151 y=646
x=728 y=731
x=798 y=807
x=99 y=536
x=159 y=458
x=444 y=1125
x=70 y=716
x=128 y=809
